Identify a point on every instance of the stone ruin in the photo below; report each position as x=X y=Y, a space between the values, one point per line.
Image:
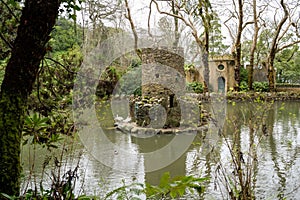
x=163 y=103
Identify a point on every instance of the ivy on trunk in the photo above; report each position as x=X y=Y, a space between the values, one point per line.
x=37 y=21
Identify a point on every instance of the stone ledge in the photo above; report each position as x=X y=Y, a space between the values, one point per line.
x=132 y=128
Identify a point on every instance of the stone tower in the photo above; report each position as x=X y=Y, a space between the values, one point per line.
x=163 y=81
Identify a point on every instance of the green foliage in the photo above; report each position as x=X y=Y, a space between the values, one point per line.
x=168 y=188
x=70 y=7
x=131 y=191
x=243 y=74
x=287 y=63
x=62 y=188
x=131 y=83
x=261 y=86
x=3 y=64
x=37 y=130
x=244 y=86
x=52 y=95
x=8 y=30
x=10 y=12
x=175 y=188
x=216 y=42
x=65 y=35
x=195 y=86
x=189 y=67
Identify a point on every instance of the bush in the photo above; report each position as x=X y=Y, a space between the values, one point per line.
x=244 y=86
x=261 y=86
x=196 y=87
x=243 y=75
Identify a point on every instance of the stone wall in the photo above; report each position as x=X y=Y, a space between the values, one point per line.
x=260 y=73
x=193 y=75
x=215 y=72
x=165 y=67
x=163 y=80
x=155 y=113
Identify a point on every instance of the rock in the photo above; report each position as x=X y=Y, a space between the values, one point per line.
x=141 y=131
x=134 y=130
x=119 y=119
x=151 y=131
x=127 y=120
x=148 y=105
x=167 y=131
x=128 y=127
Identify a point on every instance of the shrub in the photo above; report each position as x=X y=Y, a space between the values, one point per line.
x=261 y=86
x=196 y=87
x=244 y=86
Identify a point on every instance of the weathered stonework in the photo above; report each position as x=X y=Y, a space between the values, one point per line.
x=154 y=113
x=193 y=75
x=164 y=104
x=157 y=65
x=163 y=78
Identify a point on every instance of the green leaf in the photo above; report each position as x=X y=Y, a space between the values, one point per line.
x=8 y=197
x=165 y=180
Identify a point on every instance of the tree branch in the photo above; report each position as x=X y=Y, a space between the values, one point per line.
x=246 y=24
x=281 y=23
x=287 y=46
x=132 y=26
x=229 y=30
x=11 y=12
x=149 y=17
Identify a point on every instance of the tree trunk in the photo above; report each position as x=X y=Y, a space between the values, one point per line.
x=238 y=48
x=37 y=21
x=237 y=67
x=271 y=77
x=274 y=48
x=250 y=75
x=253 y=47
x=206 y=70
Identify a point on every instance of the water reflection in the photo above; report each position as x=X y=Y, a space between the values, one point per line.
x=275 y=161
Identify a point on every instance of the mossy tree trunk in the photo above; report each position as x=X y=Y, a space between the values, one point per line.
x=253 y=46
x=274 y=47
x=271 y=73
x=238 y=47
x=37 y=20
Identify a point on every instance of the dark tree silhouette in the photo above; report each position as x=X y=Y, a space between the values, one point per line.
x=37 y=21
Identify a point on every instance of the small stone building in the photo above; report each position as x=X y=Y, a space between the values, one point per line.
x=163 y=86
x=221 y=73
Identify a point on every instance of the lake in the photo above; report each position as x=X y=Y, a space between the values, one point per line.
x=266 y=136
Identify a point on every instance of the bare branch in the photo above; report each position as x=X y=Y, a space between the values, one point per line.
x=284 y=32
x=287 y=46
x=246 y=24
x=132 y=26
x=149 y=17
x=281 y=23
x=229 y=30
x=188 y=22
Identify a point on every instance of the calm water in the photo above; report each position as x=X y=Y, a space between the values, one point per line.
x=275 y=175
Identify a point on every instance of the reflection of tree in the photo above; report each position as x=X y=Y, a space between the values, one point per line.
x=242 y=137
x=283 y=164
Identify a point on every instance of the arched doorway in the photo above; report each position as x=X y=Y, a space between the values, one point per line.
x=221 y=84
